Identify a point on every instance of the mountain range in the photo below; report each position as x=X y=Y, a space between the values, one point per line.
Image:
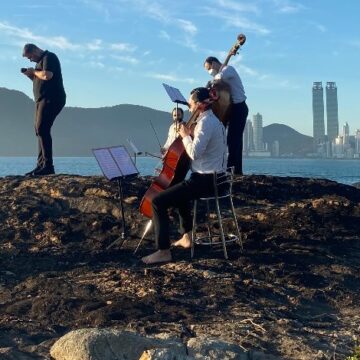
x=78 y=130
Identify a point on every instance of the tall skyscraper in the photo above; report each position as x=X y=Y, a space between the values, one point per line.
x=318 y=113
x=357 y=142
x=258 y=132
x=248 y=143
x=332 y=111
x=346 y=134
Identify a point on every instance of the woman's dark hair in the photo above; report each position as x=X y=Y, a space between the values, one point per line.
x=179 y=109
x=200 y=94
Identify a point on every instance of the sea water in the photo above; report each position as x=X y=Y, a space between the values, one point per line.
x=343 y=171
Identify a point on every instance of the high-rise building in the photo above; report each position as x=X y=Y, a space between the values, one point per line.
x=357 y=142
x=318 y=113
x=248 y=142
x=275 y=149
x=346 y=134
x=338 y=147
x=258 y=132
x=332 y=111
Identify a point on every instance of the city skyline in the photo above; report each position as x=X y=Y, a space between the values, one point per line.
x=120 y=51
x=331 y=143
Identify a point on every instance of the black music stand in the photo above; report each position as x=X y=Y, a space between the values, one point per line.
x=175 y=95
x=116 y=164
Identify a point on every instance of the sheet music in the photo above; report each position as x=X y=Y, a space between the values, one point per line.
x=123 y=160
x=107 y=164
x=175 y=94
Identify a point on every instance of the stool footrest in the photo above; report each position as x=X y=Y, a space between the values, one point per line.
x=215 y=240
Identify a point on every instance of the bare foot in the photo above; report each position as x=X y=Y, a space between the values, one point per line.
x=157 y=257
x=184 y=242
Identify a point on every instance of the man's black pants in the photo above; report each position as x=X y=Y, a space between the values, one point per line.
x=239 y=113
x=46 y=112
x=179 y=196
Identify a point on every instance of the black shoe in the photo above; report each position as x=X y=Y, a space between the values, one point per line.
x=31 y=173
x=47 y=170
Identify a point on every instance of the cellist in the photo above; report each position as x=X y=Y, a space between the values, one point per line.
x=207 y=151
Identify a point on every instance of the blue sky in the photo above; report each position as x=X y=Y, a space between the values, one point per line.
x=120 y=51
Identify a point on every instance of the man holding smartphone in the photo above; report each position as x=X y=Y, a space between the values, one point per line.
x=50 y=98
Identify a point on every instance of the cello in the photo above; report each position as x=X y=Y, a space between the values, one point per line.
x=176 y=164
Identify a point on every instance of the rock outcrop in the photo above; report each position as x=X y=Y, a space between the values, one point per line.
x=292 y=293
x=109 y=344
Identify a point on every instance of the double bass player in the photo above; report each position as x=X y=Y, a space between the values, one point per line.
x=207 y=153
x=239 y=109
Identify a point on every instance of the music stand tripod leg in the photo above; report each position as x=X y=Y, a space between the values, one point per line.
x=122 y=238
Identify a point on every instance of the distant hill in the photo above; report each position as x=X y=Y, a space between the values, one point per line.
x=291 y=141
x=77 y=130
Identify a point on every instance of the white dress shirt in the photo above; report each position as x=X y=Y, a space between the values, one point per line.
x=231 y=77
x=172 y=134
x=208 y=149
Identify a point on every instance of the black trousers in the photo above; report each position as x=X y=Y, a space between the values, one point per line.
x=239 y=113
x=179 y=196
x=46 y=112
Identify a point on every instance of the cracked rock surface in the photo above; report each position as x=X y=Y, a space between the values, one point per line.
x=293 y=292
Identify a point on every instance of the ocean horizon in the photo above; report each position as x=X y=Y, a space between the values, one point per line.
x=342 y=171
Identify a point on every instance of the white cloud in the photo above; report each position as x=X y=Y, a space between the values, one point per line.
x=288 y=7
x=164 y=35
x=243 y=69
x=99 y=6
x=159 y=12
x=123 y=47
x=95 y=45
x=26 y=35
x=170 y=77
x=237 y=20
x=187 y=26
x=236 y=6
x=97 y=64
x=128 y=59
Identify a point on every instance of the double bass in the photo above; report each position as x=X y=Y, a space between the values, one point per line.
x=176 y=162
x=221 y=90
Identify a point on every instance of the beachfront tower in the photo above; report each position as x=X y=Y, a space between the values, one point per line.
x=332 y=111
x=357 y=142
x=346 y=134
x=318 y=113
x=258 y=132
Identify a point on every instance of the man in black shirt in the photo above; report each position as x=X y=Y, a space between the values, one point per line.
x=50 y=98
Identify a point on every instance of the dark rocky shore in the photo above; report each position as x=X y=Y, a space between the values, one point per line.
x=293 y=292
